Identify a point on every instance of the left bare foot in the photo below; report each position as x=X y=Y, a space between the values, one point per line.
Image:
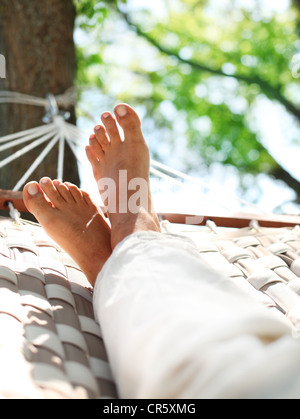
x=73 y=221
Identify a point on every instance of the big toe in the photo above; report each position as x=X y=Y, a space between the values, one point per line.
x=129 y=120
x=35 y=201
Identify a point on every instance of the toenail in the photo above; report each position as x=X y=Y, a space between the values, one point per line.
x=121 y=110
x=106 y=115
x=97 y=127
x=44 y=180
x=33 y=189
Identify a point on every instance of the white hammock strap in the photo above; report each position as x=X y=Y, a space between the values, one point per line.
x=61 y=158
x=36 y=163
x=30 y=133
x=25 y=149
x=56 y=130
x=40 y=133
x=14 y=213
x=66 y=100
x=167 y=172
x=174 y=181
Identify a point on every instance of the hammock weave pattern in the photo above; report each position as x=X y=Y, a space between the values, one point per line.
x=50 y=343
x=265 y=263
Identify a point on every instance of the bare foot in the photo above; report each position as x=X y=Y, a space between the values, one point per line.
x=121 y=169
x=73 y=221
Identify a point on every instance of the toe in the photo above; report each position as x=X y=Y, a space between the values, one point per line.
x=63 y=190
x=87 y=198
x=111 y=128
x=51 y=192
x=36 y=202
x=96 y=165
x=75 y=192
x=57 y=182
x=102 y=137
x=130 y=122
x=96 y=147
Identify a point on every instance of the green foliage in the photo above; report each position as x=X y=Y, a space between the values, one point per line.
x=210 y=64
x=90 y=13
x=85 y=7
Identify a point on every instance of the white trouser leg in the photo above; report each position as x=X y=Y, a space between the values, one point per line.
x=175 y=328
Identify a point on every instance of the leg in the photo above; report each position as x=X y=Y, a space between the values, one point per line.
x=122 y=167
x=72 y=220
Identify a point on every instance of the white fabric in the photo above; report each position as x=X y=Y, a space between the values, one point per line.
x=174 y=328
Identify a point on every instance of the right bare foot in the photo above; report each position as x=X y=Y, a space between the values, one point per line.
x=121 y=169
x=73 y=221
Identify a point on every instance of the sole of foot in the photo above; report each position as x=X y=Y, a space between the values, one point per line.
x=73 y=221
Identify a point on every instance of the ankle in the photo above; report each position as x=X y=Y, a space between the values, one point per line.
x=130 y=224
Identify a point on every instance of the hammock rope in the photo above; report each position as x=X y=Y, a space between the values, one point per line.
x=56 y=130
x=36 y=163
x=160 y=168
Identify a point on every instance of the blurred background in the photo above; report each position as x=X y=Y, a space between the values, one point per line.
x=215 y=82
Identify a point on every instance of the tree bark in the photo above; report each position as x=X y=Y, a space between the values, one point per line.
x=36 y=39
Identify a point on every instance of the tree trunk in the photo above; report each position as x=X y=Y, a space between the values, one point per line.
x=36 y=39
